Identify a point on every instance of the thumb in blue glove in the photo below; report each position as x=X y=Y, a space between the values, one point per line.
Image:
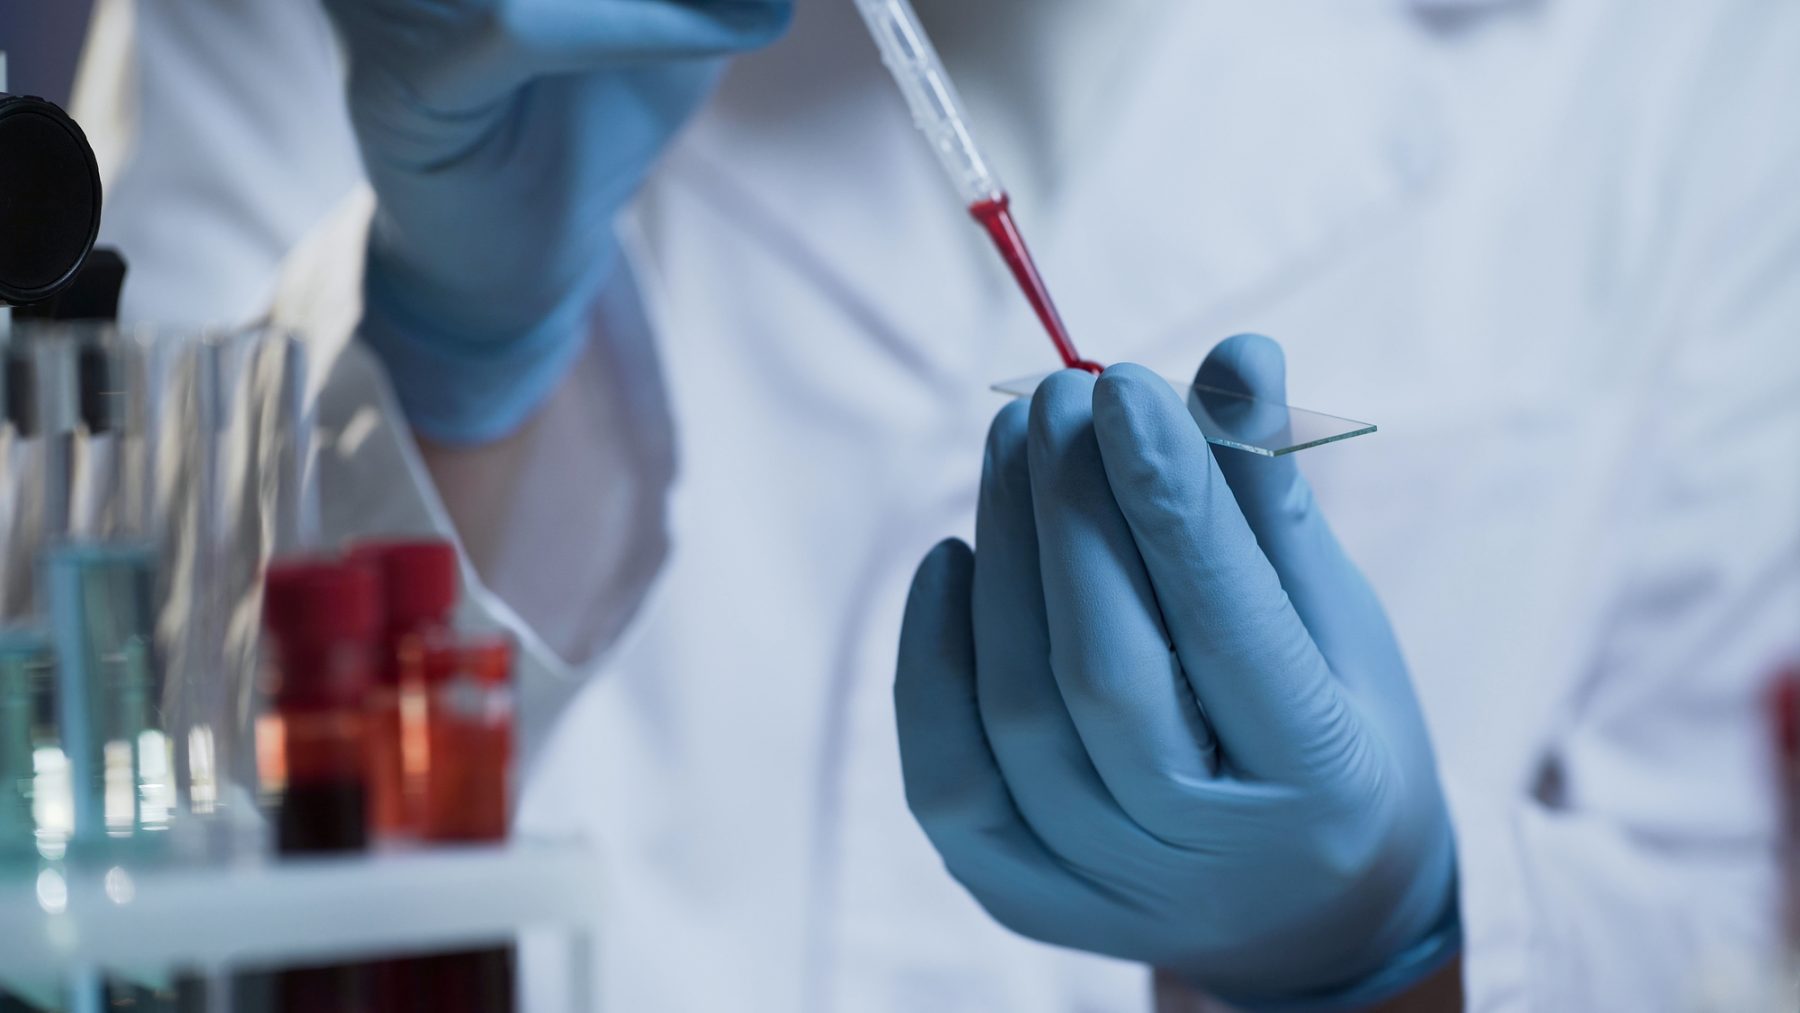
x=502 y=137
x=1158 y=713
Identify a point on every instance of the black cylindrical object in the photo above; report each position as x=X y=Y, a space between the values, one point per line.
x=49 y=199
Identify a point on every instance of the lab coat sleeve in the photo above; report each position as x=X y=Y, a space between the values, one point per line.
x=570 y=555
x=238 y=183
x=582 y=542
x=1637 y=873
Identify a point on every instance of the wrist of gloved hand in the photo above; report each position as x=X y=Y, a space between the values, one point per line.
x=1403 y=972
x=461 y=376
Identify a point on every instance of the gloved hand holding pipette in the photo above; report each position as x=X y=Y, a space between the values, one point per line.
x=502 y=137
x=1159 y=714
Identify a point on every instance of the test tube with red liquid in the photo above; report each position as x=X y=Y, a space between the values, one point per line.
x=469 y=714
x=418 y=591
x=441 y=724
x=322 y=619
x=469 y=717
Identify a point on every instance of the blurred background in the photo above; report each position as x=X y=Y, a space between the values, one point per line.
x=42 y=40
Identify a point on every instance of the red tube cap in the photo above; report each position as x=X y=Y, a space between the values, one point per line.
x=309 y=601
x=418 y=579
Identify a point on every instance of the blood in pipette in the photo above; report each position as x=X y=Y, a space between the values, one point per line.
x=995 y=215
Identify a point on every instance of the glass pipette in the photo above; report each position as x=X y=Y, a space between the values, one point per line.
x=1226 y=418
x=937 y=111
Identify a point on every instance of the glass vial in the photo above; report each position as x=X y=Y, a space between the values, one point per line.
x=101 y=606
x=418 y=589
x=322 y=622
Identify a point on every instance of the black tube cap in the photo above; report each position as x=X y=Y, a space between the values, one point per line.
x=93 y=294
x=18 y=389
x=49 y=199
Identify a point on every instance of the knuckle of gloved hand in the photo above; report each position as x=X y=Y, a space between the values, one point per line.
x=1103 y=681
x=1348 y=828
x=1127 y=391
x=1064 y=471
x=1020 y=720
x=1349 y=855
x=1175 y=817
x=1142 y=471
x=1142 y=442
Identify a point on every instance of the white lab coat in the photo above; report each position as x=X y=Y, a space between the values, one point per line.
x=1553 y=249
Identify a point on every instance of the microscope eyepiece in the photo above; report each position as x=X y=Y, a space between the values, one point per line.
x=49 y=199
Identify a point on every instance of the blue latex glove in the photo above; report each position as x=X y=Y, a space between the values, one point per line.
x=1159 y=714
x=502 y=137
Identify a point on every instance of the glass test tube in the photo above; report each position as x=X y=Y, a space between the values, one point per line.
x=39 y=380
x=418 y=588
x=469 y=708
x=101 y=606
x=98 y=488
x=322 y=620
x=24 y=660
x=469 y=714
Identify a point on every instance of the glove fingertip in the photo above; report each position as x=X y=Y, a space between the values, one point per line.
x=936 y=631
x=948 y=769
x=945 y=571
x=1065 y=392
x=1006 y=436
x=1142 y=424
x=1061 y=414
x=1246 y=363
x=1129 y=392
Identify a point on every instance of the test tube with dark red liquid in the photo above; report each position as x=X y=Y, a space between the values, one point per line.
x=469 y=716
x=322 y=621
x=418 y=589
x=466 y=685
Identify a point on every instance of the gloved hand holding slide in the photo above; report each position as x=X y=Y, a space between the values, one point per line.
x=1157 y=713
